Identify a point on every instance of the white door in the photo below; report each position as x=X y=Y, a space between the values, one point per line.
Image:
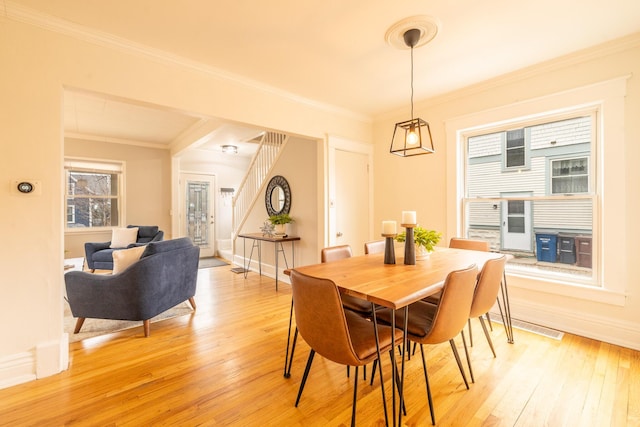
x=197 y=216
x=351 y=200
x=516 y=223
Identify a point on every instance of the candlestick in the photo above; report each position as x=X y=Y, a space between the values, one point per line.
x=389 y=251
x=409 y=217
x=389 y=228
x=409 y=246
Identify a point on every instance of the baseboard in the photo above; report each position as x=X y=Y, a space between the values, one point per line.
x=267 y=269
x=17 y=369
x=46 y=359
x=601 y=328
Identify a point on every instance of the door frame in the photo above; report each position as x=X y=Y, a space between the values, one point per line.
x=337 y=143
x=182 y=220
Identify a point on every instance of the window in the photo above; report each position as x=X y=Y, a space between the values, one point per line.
x=93 y=194
x=515 y=149
x=532 y=197
x=570 y=176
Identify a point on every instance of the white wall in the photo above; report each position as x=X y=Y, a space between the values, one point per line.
x=36 y=65
x=428 y=184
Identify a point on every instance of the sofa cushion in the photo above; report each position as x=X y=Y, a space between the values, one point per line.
x=123 y=237
x=126 y=257
x=146 y=233
x=104 y=255
x=166 y=245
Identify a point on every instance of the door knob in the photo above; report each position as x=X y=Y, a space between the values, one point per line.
x=338 y=234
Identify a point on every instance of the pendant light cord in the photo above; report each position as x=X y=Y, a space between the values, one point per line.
x=411 y=82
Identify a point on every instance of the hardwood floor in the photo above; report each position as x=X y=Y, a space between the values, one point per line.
x=223 y=365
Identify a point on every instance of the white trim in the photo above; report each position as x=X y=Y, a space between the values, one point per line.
x=586 y=324
x=608 y=97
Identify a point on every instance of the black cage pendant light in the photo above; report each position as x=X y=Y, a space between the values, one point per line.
x=412 y=137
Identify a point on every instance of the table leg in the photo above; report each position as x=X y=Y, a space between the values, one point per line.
x=507 y=309
x=277 y=256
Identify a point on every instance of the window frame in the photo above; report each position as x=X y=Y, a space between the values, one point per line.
x=99 y=166
x=607 y=97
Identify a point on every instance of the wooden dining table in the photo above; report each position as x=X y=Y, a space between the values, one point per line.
x=397 y=285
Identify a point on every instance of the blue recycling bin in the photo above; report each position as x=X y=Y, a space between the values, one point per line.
x=547 y=246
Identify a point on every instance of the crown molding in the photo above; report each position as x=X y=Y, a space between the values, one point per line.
x=25 y=15
x=112 y=140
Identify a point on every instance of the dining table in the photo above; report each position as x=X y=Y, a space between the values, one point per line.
x=396 y=286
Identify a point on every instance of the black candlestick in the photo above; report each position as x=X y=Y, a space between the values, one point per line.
x=409 y=245
x=389 y=251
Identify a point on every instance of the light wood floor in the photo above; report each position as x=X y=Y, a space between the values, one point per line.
x=223 y=366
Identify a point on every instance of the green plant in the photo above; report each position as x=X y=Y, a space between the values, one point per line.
x=423 y=237
x=280 y=219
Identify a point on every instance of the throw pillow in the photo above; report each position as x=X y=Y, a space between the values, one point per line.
x=126 y=257
x=123 y=237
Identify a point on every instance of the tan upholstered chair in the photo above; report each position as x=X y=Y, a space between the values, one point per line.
x=375 y=247
x=471 y=244
x=435 y=324
x=339 y=335
x=334 y=253
x=485 y=295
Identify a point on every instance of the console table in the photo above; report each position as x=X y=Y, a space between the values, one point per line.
x=278 y=248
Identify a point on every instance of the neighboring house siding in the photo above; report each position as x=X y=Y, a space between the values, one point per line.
x=566 y=138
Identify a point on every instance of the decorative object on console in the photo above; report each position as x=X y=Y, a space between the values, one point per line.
x=389 y=232
x=280 y=222
x=412 y=137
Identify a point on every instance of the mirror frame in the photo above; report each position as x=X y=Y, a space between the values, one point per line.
x=275 y=182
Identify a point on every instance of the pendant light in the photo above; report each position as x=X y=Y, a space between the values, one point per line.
x=412 y=137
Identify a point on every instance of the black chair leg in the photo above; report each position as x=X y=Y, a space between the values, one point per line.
x=286 y=355
x=489 y=321
x=486 y=334
x=466 y=353
x=457 y=356
x=470 y=333
x=355 y=395
x=426 y=380
x=287 y=372
x=306 y=374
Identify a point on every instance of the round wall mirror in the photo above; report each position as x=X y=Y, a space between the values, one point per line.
x=277 y=197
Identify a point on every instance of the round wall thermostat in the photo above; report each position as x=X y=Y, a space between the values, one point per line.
x=25 y=187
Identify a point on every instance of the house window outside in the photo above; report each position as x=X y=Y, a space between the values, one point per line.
x=515 y=149
x=532 y=181
x=570 y=176
x=94 y=194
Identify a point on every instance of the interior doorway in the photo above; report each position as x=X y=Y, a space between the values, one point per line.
x=197 y=217
x=350 y=198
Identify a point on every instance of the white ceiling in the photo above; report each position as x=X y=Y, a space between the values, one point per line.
x=334 y=51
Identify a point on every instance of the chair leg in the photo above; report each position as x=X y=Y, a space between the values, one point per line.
x=147 y=327
x=470 y=333
x=192 y=302
x=286 y=355
x=489 y=321
x=355 y=395
x=426 y=380
x=79 y=324
x=486 y=334
x=466 y=353
x=305 y=375
x=287 y=370
x=457 y=356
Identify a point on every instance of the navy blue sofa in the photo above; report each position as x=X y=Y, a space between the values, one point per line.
x=99 y=255
x=165 y=276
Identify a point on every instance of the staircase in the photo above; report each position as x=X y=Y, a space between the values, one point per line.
x=252 y=186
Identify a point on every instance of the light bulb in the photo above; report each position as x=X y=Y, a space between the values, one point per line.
x=412 y=136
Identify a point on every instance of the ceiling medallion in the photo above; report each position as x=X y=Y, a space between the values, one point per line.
x=427 y=25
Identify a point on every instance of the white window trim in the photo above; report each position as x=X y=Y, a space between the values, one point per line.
x=89 y=164
x=609 y=212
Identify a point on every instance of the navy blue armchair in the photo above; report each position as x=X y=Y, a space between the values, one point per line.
x=100 y=255
x=164 y=277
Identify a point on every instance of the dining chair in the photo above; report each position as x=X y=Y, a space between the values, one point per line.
x=357 y=305
x=374 y=247
x=435 y=324
x=486 y=293
x=339 y=335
